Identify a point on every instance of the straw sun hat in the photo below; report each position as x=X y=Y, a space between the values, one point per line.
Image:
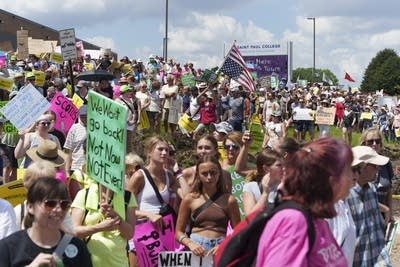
x=48 y=151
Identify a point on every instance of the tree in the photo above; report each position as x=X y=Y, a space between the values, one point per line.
x=306 y=74
x=383 y=72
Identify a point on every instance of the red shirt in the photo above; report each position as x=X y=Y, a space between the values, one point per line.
x=207 y=112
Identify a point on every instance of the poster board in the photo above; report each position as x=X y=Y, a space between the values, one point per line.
x=183 y=259
x=14 y=192
x=302 y=114
x=22 y=45
x=66 y=112
x=106 y=141
x=325 y=115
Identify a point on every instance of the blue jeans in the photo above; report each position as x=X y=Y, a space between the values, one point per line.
x=206 y=243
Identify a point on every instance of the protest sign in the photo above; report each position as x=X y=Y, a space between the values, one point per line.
x=80 y=48
x=187 y=123
x=388 y=101
x=56 y=58
x=77 y=101
x=25 y=107
x=325 y=116
x=22 y=45
x=66 y=112
x=302 y=114
x=14 y=192
x=6 y=83
x=67 y=43
x=183 y=259
x=8 y=127
x=366 y=116
x=106 y=139
x=188 y=80
x=238 y=182
x=265 y=81
x=3 y=59
x=149 y=241
x=40 y=78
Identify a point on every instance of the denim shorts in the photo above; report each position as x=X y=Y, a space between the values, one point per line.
x=206 y=243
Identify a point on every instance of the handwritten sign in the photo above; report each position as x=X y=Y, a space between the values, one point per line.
x=149 y=241
x=25 y=107
x=67 y=43
x=325 y=116
x=188 y=80
x=22 y=45
x=238 y=182
x=14 y=192
x=366 y=116
x=40 y=78
x=8 y=127
x=183 y=259
x=66 y=112
x=6 y=83
x=56 y=58
x=302 y=114
x=106 y=141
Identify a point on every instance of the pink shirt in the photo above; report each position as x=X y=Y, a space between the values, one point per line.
x=284 y=242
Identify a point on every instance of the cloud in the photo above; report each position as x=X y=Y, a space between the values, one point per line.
x=102 y=41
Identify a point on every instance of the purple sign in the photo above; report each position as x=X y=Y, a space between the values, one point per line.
x=269 y=65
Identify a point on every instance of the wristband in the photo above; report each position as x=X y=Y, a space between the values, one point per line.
x=181 y=238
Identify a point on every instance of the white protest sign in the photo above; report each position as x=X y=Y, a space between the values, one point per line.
x=183 y=259
x=25 y=107
x=302 y=114
x=67 y=42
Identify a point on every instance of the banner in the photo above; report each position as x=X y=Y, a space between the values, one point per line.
x=56 y=58
x=183 y=259
x=106 y=141
x=325 y=115
x=14 y=192
x=66 y=112
x=149 y=241
x=302 y=114
x=6 y=83
x=25 y=107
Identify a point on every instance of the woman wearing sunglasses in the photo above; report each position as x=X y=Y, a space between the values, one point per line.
x=27 y=139
x=43 y=243
x=372 y=137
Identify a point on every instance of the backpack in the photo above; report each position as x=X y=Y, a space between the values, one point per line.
x=240 y=248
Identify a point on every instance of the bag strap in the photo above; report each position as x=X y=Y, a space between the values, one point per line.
x=205 y=205
x=160 y=199
x=127 y=104
x=62 y=245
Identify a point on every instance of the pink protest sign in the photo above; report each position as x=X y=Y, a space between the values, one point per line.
x=149 y=241
x=66 y=112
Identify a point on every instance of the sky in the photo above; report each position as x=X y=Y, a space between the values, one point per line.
x=349 y=33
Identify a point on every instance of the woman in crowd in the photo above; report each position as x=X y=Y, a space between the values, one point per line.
x=314 y=177
x=262 y=184
x=348 y=122
x=372 y=137
x=206 y=145
x=41 y=243
x=105 y=222
x=157 y=153
x=208 y=209
x=51 y=116
x=274 y=129
x=29 y=139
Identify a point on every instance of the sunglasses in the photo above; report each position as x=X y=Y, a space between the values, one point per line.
x=44 y=123
x=373 y=141
x=232 y=146
x=50 y=204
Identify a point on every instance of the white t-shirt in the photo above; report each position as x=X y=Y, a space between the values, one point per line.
x=143 y=98
x=166 y=90
x=8 y=221
x=154 y=101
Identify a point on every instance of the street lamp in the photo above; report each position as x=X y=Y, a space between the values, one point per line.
x=313 y=70
x=165 y=54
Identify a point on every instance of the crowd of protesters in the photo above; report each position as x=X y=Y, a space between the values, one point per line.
x=224 y=186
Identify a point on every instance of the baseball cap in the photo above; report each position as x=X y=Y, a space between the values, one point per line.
x=366 y=154
x=223 y=127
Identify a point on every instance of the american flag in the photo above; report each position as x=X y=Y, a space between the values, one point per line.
x=235 y=67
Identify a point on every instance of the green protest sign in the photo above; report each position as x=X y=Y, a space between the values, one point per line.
x=209 y=76
x=188 y=80
x=8 y=127
x=106 y=139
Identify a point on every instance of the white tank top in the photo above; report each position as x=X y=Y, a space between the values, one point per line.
x=147 y=198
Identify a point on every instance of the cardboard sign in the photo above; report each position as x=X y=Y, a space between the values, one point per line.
x=25 y=107
x=66 y=112
x=6 y=83
x=302 y=114
x=106 y=139
x=67 y=43
x=77 y=101
x=366 y=116
x=188 y=80
x=40 y=78
x=56 y=58
x=186 y=123
x=265 y=81
x=325 y=116
x=14 y=192
x=22 y=45
x=149 y=241
x=183 y=259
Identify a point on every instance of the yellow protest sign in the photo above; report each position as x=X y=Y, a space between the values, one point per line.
x=187 y=123
x=77 y=101
x=40 y=77
x=20 y=173
x=127 y=69
x=325 y=116
x=397 y=132
x=14 y=192
x=88 y=66
x=366 y=116
x=56 y=58
x=6 y=83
